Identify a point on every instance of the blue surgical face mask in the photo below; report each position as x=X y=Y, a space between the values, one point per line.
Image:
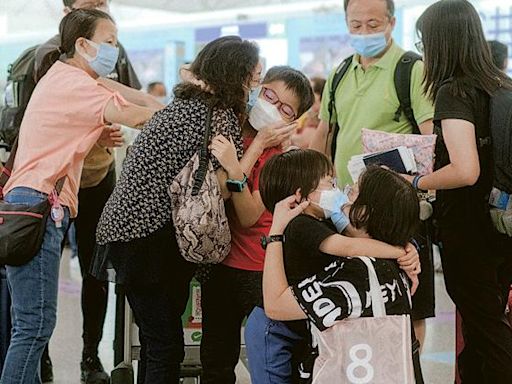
x=106 y=58
x=369 y=45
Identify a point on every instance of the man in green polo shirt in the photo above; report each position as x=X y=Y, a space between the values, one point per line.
x=366 y=98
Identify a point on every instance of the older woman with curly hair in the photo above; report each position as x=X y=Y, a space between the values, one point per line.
x=136 y=234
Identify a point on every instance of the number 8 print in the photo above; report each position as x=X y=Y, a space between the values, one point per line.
x=363 y=362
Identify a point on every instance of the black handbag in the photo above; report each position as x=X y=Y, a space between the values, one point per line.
x=22 y=227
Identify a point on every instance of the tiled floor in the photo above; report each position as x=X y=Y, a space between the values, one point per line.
x=65 y=347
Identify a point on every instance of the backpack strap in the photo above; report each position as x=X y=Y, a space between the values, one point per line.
x=7 y=170
x=403 y=74
x=204 y=155
x=338 y=75
x=402 y=78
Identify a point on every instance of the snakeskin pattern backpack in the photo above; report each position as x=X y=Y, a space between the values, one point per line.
x=198 y=211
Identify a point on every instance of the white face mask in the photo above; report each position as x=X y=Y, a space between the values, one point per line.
x=263 y=114
x=331 y=201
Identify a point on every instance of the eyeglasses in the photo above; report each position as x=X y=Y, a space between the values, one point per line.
x=270 y=96
x=419 y=46
x=333 y=182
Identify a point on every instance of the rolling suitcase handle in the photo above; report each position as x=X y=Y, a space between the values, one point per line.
x=123 y=372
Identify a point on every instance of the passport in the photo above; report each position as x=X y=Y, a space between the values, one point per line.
x=400 y=159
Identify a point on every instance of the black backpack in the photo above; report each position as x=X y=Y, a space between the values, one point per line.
x=20 y=85
x=500 y=127
x=403 y=73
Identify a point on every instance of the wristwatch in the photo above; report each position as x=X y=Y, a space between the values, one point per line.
x=236 y=185
x=266 y=240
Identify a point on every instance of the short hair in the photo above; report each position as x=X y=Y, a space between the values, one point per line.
x=296 y=169
x=390 y=4
x=153 y=84
x=295 y=81
x=70 y=3
x=387 y=206
x=499 y=52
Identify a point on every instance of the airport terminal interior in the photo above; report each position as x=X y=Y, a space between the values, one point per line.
x=160 y=40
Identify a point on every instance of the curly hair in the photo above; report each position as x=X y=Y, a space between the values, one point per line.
x=225 y=65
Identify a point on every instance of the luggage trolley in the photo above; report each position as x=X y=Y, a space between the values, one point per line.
x=127 y=345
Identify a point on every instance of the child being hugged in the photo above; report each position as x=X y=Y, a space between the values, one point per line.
x=379 y=227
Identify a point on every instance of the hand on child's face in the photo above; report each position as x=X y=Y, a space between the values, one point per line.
x=285 y=211
x=352 y=192
x=275 y=134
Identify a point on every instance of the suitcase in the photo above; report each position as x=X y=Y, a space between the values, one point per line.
x=5 y=316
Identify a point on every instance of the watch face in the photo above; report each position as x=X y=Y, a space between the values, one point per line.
x=234 y=187
x=263 y=242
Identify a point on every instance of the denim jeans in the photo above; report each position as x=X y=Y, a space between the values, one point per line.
x=270 y=345
x=33 y=288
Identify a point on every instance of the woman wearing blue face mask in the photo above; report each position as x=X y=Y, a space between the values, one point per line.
x=63 y=120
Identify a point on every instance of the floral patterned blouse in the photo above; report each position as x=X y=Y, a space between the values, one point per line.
x=140 y=203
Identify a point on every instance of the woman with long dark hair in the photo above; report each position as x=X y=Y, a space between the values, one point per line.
x=63 y=120
x=136 y=232
x=460 y=77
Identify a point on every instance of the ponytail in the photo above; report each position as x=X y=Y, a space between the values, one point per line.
x=49 y=59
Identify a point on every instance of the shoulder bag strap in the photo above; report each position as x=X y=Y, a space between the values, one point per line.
x=204 y=155
x=7 y=170
x=378 y=306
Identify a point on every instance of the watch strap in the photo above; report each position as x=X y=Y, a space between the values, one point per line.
x=237 y=185
x=266 y=240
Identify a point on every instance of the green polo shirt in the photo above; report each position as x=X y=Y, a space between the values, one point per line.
x=367 y=99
